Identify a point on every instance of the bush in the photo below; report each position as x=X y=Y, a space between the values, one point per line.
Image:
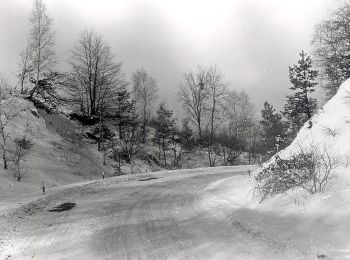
x=23 y=145
x=309 y=170
x=107 y=134
x=84 y=119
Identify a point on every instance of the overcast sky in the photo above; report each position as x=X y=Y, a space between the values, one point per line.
x=252 y=41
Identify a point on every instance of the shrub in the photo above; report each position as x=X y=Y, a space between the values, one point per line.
x=309 y=170
x=23 y=145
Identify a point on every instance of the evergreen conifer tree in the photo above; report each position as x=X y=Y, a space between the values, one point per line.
x=164 y=125
x=186 y=135
x=273 y=132
x=300 y=107
x=124 y=110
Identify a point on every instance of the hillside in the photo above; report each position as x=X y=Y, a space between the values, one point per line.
x=330 y=127
x=330 y=137
x=57 y=156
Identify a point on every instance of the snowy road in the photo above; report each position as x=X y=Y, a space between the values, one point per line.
x=148 y=218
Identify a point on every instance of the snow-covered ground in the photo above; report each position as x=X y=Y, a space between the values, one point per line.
x=143 y=216
x=208 y=213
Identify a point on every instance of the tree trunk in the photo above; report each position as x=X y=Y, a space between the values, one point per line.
x=225 y=159
x=120 y=131
x=4 y=149
x=210 y=145
x=144 y=122
x=92 y=107
x=199 y=129
x=209 y=156
x=19 y=176
x=175 y=156
x=22 y=85
x=4 y=158
x=100 y=132
x=119 y=164
x=31 y=93
x=164 y=153
x=104 y=156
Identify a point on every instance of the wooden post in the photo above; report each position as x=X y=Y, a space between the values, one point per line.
x=43 y=186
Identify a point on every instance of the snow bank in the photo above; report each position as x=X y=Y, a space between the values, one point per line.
x=314 y=226
x=320 y=222
x=330 y=132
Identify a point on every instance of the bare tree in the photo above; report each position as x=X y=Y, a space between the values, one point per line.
x=96 y=78
x=6 y=119
x=125 y=148
x=95 y=75
x=240 y=114
x=23 y=145
x=323 y=160
x=216 y=93
x=25 y=67
x=145 y=93
x=193 y=95
x=331 y=47
x=239 y=126
x=41 y=43
x=253 y=142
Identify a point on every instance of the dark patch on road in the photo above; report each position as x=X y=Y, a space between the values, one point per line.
x=148 y=179
x=63 y=207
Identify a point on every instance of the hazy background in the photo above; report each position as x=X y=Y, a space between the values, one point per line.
x=252 y=41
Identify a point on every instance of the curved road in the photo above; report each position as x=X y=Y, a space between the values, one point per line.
x=148 y=218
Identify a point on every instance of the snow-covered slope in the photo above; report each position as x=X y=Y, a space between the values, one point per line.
x=330 y=127
x=56 y=158
x=330 y=132
x=317 y=223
